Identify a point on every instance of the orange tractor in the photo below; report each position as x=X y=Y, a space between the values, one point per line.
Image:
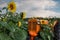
x=34 y=27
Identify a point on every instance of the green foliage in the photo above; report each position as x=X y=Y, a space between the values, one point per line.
x=9 y=29
x=4 y=36
x=46 y=33
x=19 y=35
x=4 y=8
x=0 y=11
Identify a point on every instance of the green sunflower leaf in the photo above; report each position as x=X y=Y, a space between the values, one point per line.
x=20 y=35
x=0 y=11
x=4 y=8
x=4 y=36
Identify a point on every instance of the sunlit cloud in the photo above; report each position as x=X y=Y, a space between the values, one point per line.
x=35 y=8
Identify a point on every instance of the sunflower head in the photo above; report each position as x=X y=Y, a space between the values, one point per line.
x=23 y=15
x=44 y=21
x=12 y=7
x=19 y=23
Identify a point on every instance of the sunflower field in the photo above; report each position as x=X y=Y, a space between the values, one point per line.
x=14 y=26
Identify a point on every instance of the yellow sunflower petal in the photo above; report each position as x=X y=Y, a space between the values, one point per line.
x=19 y=23
x=24 y=15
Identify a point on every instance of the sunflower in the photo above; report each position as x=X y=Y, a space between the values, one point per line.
x=23 y=15
x=44 y=21
x=53 y=25
x=12 y=7
x=19 y=23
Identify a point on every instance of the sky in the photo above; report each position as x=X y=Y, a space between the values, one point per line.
x=36 y=8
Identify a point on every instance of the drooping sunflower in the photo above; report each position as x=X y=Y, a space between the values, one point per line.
x=12 y=7
x=54 y=23
x=23 y=15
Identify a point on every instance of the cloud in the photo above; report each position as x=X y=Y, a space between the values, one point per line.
x=37 y=3
x=3 y=5
x=37 y=7
x=43 y=13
